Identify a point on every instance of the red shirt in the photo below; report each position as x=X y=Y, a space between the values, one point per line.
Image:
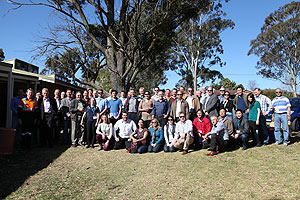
x=204 y=126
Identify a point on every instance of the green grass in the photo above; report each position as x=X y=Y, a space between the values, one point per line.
x=268 y=172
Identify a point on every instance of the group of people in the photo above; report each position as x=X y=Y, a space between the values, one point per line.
x=169 y=120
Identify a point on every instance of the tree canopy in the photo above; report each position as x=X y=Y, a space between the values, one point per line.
x=129 y=37
x=2 y=57
x=278 y=44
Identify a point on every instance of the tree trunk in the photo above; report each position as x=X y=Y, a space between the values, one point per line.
x=294 y=86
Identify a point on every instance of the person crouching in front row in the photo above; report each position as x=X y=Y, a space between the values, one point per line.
x=218 y=136
x=156 y=136
x=184 y=131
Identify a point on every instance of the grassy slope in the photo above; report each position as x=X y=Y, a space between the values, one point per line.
x=269 y=172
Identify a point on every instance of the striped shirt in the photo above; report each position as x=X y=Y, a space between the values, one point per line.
x=281 y=104
x=265 y=103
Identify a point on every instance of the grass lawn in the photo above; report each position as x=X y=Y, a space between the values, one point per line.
x=268 y=172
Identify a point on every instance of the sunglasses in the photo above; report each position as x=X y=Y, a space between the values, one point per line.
x=209 y=90
x=154 y=122
x=190 y=91
x=179 y=94
x=170 y=119
x=278 y=92
x=181 y=116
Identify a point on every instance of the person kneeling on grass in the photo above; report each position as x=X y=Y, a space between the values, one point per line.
x=139 y=139
x=218 y=136
x=156 y=136
x=104 y=133
x=241 y=128
x=122 y=131
x=184 y=131
x=169 y=134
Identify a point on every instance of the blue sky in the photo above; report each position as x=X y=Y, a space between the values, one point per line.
x=20 y=28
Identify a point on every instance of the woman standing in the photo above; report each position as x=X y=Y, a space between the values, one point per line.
x=145 y=107
x=156 y=136
x=254 y=113
x=201 y=126
x=169 y=135
x=139 y=139
x=92 y=117
x=227 y=104
x=104 y=134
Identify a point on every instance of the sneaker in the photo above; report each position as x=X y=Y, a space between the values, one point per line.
x=285 y=144
x=184 y=152
x=88 y=146
x=276 y=143
x=100 y=147
x=244 y=148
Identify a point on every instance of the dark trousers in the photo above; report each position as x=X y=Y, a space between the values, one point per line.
x=253 y=129
x=67 y=130
x=46 y=131
x=91 y=132
x=106 y=146
x=139 y=148
x=155 y=149
x=243 y=139
x=27 y=130
x=123 y=142
x=57 y=128
x=147 y=123
x=263 y=131
x=216 y=142
x=162 y=121
x=133 y=116
x=169 y=149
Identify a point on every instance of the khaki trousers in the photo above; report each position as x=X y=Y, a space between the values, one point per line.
x=184 y=143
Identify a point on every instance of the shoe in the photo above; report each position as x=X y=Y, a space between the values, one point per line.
x=276 y=143
x=73 y=145
x=92 y=146
x=100 y=147
x=184 y=152
x=244 y=148
x=285 y=144
x=213 y=153
x=88 y=146
x=266 y=143
x=258 y=145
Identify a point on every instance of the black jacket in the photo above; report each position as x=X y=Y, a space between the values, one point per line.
x=53 y=107
x=243 y=126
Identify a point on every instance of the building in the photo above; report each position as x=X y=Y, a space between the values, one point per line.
x=16 y=74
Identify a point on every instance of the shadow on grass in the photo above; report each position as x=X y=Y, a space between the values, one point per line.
x=16 y=168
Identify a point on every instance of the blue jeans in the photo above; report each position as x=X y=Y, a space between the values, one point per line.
x=142 y=149
x=169 y=149
x=281 y=119
x=155 y=149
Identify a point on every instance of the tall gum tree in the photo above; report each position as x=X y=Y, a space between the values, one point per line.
x=278 y=46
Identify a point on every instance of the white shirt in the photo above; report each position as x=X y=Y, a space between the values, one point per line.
x=189 y=99
x=178 y=107
x=186 y=127
x=169 y=133
x=125 y=128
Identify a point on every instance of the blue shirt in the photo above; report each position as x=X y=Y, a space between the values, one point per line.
x=114 y=106
x=158 y=135
x=281 y=104
x=161 y=108
x=14 y=104
x=101 y=103
x=91 y=113
x=241 y=104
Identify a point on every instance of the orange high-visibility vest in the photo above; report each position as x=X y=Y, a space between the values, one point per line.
x=28 y=104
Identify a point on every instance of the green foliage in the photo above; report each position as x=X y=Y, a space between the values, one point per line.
x=271 y=93
x=278 y=44
x=227 y=84
x=2 y=57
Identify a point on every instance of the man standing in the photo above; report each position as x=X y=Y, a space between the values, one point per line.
x=218 y=136
x=194 y=103
x=184 y=131
x=222 y=95
x=266 y=107
x=14 y=108
x=161 y=109
x=180 y=105
x=27 y=114
x=211 y=103
x=102 y=103
x=58 y=117
x=155 y=96
x=240 y=101
x=122 y=131
x=142 y=93
x=173 y=97
x=281 y=116
x=48 y=110
x=77 y=110
x=66 y=113
x=167 y=94
x=132 y=106
x=115 y=107
x=183 y=91
x=203 y=95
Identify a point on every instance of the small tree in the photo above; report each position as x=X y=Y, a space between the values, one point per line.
x=278 y=46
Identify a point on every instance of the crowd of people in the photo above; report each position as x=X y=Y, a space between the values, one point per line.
x=168 y=120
